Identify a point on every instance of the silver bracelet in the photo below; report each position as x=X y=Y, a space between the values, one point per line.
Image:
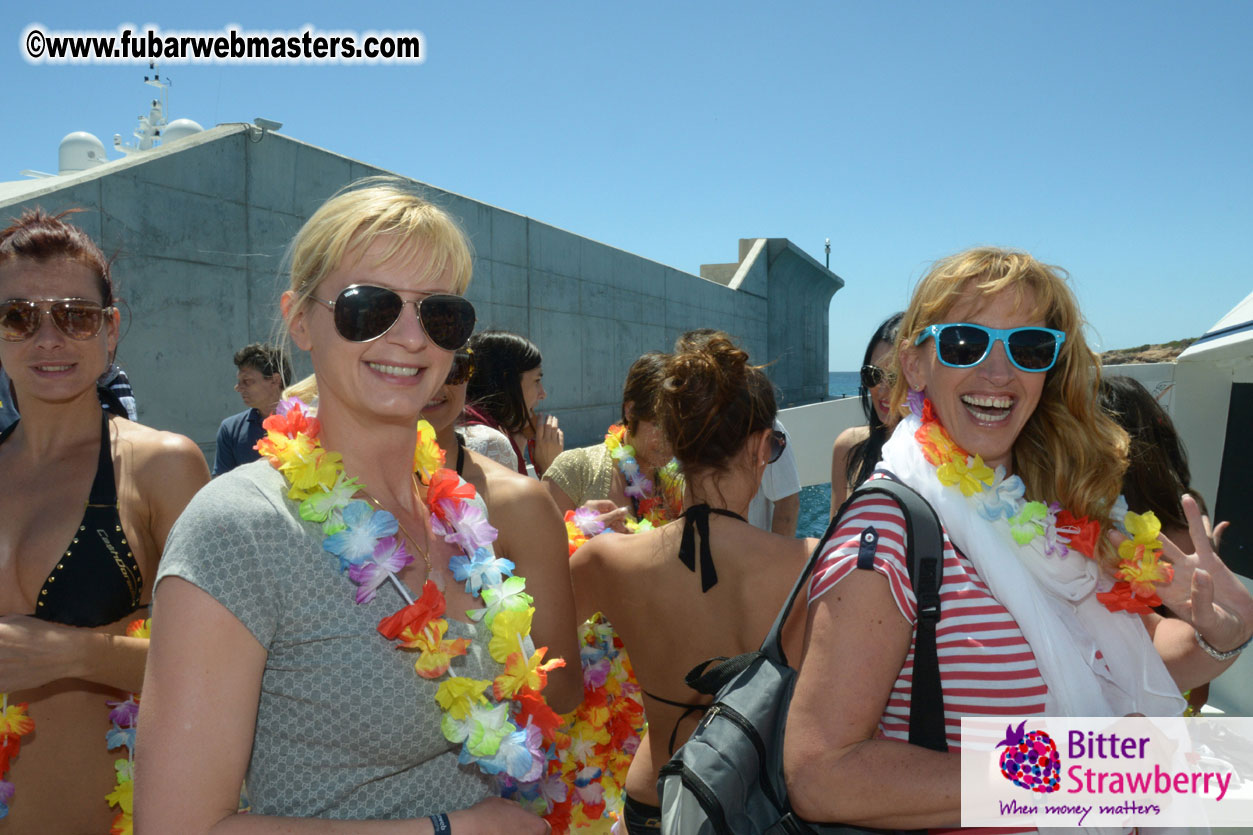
x=1218 y=655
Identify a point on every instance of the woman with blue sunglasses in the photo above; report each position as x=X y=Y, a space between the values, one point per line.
x=998 y=427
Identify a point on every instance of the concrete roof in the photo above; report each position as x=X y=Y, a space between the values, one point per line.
x=20 y=191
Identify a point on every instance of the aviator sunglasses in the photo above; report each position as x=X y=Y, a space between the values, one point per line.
x=963 y=345
x=364 y=312
x=76 y=318
x=872 y=375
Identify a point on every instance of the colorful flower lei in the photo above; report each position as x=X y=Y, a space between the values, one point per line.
x=581 y=525
x=995 y=496
x=125 y=717
x=652 y=509
x=604 y=731
x=503 y=725
x=14 y=724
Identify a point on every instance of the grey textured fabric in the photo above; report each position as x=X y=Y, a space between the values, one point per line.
x=345 y=729
x=583 y=474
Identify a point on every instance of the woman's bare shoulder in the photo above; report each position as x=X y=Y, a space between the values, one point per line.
x=755 y=545
x=502 y=482
x=159 y=452
x=623 y=554
x=850 y=437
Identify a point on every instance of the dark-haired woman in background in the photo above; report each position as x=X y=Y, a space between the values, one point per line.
x=711 y=578
x=1157 y=473
x=506 y=387
x=856 y=450
x=89 y=498
x=1157 y=465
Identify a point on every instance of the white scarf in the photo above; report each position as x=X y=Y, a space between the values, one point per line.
x=1052 y=599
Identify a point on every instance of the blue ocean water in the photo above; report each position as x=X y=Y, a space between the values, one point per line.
x=843 y=383
x=815 y=511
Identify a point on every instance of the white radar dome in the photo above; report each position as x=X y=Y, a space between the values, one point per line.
x=80 y=151
x=178 y=129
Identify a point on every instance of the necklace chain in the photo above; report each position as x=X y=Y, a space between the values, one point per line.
x=426 y=557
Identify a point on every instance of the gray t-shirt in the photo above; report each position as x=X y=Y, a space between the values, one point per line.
x=345 y=728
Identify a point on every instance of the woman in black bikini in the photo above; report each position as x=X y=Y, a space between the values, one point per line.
x=88 y=500
x=709 y=584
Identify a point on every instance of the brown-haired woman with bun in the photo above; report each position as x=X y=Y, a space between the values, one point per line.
x=709 y=577
x=88 y=500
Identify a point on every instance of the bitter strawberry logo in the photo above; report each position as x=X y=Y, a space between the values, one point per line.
x=1030 y=760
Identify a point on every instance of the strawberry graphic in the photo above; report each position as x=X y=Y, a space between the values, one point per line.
x=1030 y=760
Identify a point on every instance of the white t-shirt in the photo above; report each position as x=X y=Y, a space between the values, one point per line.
x=780 y=480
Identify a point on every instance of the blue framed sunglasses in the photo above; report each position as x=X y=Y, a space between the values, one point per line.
x=963 y=345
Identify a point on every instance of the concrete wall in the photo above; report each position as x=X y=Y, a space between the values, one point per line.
x=200 y=228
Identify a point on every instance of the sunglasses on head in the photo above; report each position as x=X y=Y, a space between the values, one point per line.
x=872 y=375
x=963 y=345
x=462 y=367
x=76 y=318
x=778 y=443
x=364 y=312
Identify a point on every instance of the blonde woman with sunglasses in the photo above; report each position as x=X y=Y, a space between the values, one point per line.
x=332 y=660
x=995 y=405
x=89 y=498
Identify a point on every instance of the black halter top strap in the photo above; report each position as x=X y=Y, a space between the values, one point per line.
x=697 y=519
x=461 y=451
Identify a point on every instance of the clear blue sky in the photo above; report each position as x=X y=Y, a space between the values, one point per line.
x=1114 y=139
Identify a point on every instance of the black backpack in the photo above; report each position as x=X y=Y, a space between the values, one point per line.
x=727 y=779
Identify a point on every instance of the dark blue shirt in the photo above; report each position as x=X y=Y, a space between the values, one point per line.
x=237 y=436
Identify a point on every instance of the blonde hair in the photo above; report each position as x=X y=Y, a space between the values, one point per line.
x=356 y=216
x=1070 y=451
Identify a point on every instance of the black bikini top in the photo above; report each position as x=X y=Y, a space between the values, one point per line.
x=697 y=522
x=97 y=580
x=697 y=519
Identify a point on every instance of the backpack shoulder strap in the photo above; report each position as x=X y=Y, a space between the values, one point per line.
x=925 y=544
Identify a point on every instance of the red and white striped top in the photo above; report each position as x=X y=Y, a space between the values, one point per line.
x=986 y=666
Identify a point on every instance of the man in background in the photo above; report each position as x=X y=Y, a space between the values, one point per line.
x=263 y=373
